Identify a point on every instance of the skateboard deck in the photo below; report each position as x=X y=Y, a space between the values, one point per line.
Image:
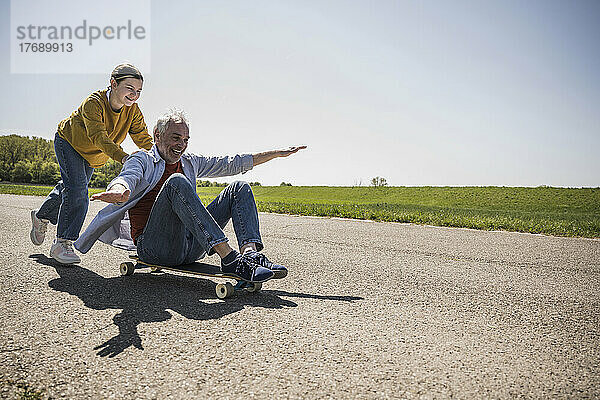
x=223 y=290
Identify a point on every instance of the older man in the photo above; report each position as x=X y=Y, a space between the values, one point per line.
x=168 y=224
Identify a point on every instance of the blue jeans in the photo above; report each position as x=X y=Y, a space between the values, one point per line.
x=181 y=230
x=67 y=204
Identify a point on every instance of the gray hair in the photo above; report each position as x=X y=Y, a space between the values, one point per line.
x=172 y=115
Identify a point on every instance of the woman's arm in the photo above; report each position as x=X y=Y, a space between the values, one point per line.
x=139 y=131
x=96 y=130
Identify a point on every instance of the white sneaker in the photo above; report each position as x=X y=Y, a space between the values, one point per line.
x=38 y=229
x=62 y=251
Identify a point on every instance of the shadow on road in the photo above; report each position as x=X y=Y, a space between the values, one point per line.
x=315 y=296
x=146 y=297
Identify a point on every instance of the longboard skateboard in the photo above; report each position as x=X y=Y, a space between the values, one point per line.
x=223 y=290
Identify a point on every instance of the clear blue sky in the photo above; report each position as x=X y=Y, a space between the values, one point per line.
x=419 y=92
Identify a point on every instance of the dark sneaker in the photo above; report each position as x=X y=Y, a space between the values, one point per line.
x=240 y=267
x=261 y=260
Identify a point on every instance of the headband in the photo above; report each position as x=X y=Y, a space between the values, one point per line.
x=123 y=76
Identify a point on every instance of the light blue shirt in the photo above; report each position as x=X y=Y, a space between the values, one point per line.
x=140 y=173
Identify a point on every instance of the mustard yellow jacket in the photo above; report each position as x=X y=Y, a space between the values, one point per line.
x=96 y=132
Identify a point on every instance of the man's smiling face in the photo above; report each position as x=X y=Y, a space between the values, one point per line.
x=172 y=143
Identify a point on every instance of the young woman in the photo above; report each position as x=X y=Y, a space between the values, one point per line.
x=84 y=141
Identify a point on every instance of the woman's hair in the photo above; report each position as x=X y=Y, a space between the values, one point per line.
x=124 y=71
x=173 y=115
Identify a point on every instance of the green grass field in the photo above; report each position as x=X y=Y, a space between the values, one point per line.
x=547 y=210
x=552 y=211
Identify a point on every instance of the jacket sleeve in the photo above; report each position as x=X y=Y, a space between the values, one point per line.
x=214 y=167
x=93 y=120
x=132 y=172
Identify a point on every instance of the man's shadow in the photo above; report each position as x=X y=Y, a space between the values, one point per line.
x=146 y=297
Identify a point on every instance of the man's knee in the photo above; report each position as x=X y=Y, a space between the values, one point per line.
x=240 y=187
x=178 y=181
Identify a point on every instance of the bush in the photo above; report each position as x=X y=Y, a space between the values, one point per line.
x=5 y=172
x=103 y=175
x=378 y=182
x=45 y=172
x=210 y=184
x=20 y=172
x=24 y=159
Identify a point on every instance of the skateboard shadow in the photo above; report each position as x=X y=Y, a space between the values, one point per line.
x=146 y=297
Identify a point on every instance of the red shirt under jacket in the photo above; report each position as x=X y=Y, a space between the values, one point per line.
x=139 y=214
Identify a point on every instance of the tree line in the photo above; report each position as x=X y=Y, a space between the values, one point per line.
x=32 y=160
x=27 y=160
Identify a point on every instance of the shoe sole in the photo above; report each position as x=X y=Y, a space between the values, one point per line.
x=65 y=262
x=32 y=232
x=279 y=274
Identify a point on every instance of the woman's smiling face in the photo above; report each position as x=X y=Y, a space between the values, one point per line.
x=126 y=92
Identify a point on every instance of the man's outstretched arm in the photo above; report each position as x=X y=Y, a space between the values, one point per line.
x=263 y=157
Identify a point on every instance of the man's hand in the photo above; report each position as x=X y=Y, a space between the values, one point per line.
x=260 y=158
x=117 y=194
x=290 y=150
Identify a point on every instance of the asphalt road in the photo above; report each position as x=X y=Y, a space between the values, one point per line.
x=369 y=310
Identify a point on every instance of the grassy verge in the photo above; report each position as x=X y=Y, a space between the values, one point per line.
x=546 y=210
x=32 y=190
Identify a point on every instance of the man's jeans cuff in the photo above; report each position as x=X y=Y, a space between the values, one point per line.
x=257 y=242
x=211 y=245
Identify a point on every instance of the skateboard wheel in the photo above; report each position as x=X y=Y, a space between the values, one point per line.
x=224 y=290
x=127 y=268
x=254 y=287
